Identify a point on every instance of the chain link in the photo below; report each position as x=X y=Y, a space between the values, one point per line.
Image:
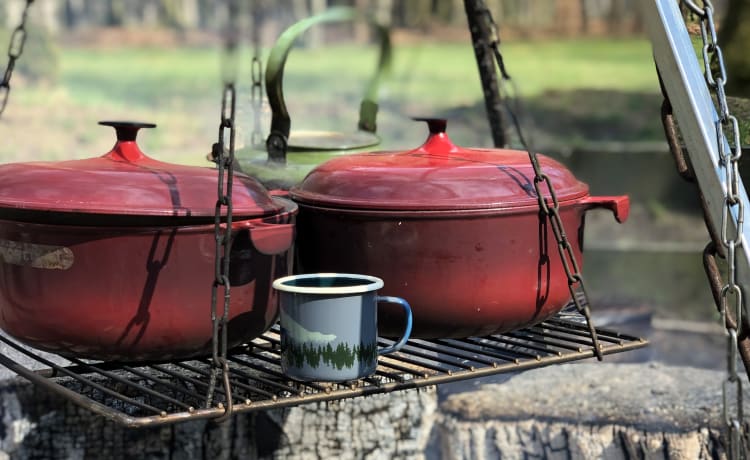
x=223 y=155
x=731 y=295
x=551 y=208
x=223 y=236
x=256 y=91
x=15 y=49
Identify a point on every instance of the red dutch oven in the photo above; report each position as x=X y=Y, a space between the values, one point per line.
x=113 y=257
x=456 y=232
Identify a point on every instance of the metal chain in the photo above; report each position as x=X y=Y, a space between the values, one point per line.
x=730 y=298
x=223 y=236
x=15 y=49
x=550 y=209
x=224 y=158
x=256 y=91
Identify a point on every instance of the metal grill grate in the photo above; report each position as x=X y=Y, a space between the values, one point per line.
x=161 y=393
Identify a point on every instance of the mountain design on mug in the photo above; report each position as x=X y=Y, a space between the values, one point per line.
x=298 y=331
x=339 y=356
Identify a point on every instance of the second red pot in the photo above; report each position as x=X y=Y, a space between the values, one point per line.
x=456 y=232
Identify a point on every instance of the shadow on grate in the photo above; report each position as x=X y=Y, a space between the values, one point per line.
x=147 y=394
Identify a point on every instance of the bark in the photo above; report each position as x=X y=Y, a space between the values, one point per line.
x=590 y=411
x=36 y=424
x=480 y=37
x=734 y=35
x=582 y=411
x=558 y=440
x=316 y=36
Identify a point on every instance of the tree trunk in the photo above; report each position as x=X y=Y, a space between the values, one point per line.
x=734 y=37
x=35 y=423
x=480 y=37
x=552 y=440
x=590 y=411
x=316 y=36
x=361 y=28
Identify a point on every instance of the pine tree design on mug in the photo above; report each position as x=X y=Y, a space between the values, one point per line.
x=340 y=356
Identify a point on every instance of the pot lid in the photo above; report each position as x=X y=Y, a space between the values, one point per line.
x=435 y=176
x=125 y=181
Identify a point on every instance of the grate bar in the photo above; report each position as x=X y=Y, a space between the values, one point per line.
x=518 y=343
x=186 y=378
x=576 y=336
x=546 y=340
x=85 y=381
x=584 y=330
x=273 y=373
x=455 y=353
x=259 y=384
x=412 y=350
x=197 y=397
x=124 y=381
x=264 y=381
x=572 y=336
x=475 y=345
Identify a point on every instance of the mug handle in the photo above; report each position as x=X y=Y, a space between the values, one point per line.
x=407 y=331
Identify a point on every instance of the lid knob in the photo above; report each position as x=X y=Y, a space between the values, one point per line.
x=127 y=130
x=436 y=125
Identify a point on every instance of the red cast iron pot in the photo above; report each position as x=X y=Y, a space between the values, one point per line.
x=456 y=232
x=113 y=257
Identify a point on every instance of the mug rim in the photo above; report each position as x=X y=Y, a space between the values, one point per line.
x=371 y=283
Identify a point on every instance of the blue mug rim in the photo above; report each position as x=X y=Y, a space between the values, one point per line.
x=369 y=284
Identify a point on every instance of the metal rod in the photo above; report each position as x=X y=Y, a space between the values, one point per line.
x=572 y=336
x=132 y=384
x=517 y=343
x=184 y=377
x=86 y=381
x=583 y=327
x=455 y=353
x=405 y=370
x=197 y=397
x=410 y=349
x=276 y=374
x=545 y=340
x=477 y=346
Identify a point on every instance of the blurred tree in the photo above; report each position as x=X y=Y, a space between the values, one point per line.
x=734 y=36
x=115 y=12
x=414 y=13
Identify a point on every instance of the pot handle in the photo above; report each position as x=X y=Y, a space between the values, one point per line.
x=619 y=205
x=267 y=238
x=407 y=330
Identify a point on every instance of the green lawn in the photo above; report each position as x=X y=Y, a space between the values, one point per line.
x=438 y=75
x=576 y=91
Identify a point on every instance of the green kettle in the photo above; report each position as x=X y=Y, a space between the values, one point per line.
x=290 y=155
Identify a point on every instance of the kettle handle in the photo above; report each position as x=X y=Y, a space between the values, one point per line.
x=277 y=141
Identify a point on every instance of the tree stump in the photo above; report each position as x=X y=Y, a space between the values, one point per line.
x=37 y=424
x=589 y=411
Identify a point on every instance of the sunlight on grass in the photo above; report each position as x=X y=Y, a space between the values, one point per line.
x=442 y=75
x=180 y=89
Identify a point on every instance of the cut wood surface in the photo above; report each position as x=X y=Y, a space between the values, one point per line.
x=590 y=411
x=581 y=411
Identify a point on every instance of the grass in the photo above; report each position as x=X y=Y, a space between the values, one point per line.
x=442 y=75
x=145 y=77
x=578 y=90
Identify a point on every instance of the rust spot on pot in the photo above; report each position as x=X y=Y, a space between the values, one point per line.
x=36 y=255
